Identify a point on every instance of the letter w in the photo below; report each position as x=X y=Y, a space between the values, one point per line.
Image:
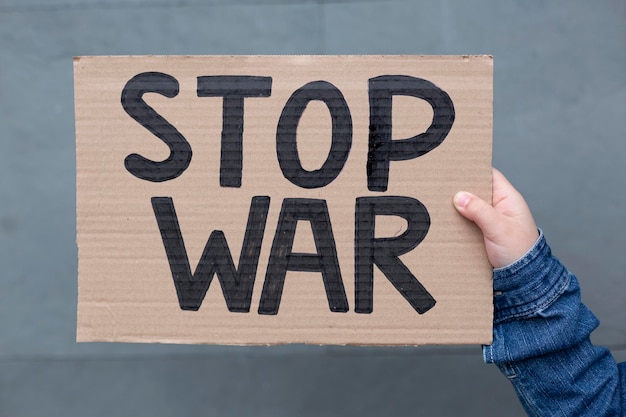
x=237 y=284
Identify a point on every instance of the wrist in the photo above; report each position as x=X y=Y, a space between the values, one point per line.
x=529 y=284
x=522 y=259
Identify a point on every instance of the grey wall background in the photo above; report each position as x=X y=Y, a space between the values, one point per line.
x=559 y=135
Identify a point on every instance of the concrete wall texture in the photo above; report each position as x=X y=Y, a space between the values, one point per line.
x=559 y=135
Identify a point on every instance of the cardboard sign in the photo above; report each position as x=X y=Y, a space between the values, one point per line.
x=282 y=199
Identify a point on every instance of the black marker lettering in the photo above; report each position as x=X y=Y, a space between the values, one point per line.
x=234 y=89
x=385 y=252
x=134 y=104
x=286 y=147
x=283 y=259
x=382 y=148
x=237 y=284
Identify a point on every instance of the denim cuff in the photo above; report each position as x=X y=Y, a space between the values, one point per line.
x=528 y=285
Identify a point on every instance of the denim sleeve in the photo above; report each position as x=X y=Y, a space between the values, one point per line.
x=541 y=341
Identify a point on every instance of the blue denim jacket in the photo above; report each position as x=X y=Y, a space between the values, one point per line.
x=541 y=341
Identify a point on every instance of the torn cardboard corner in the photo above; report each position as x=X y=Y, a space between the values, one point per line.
x=282 y=199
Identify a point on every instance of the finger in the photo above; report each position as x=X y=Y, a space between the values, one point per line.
x=480 y=212
x=502 y=188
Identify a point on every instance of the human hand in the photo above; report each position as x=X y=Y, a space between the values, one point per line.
x=508 y=226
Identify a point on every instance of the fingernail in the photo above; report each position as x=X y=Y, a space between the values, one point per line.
x=461 y=199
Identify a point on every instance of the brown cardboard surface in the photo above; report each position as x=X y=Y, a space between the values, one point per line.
x=126 y=290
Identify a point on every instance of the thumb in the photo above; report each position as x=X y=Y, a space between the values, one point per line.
x=474 y=208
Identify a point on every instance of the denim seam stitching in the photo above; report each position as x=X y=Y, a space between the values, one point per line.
x=532 y=310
